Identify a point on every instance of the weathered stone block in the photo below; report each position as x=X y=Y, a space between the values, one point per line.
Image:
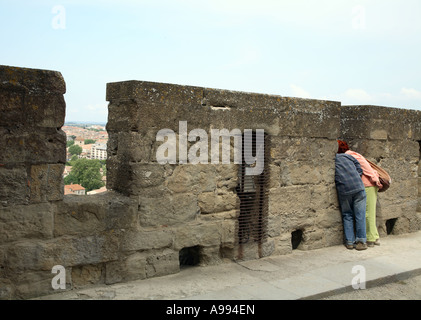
x=86 y=215
x=311 y=118
x=134 y=178
x=121 y=116
x=241 y=100
x=14 y=186
x=12 y=146
x=192 y=234
x=274 y=226
x=411 y=216
x=400 y=169
x=115 y=272
x=274 y=176
x=247 y=110
x=44 y=110
x=37 y=283
x=116 y=175
x=311 y=239
x=161 y=263
x=282 y=244
x=192 y=178
x=248 y=251
x=300 y=215
x=132 y=268
x=143 y=105
x=306 y=172
x=11 y=105
x=407 y=222
x=378 y=134
x=172 y=209
x=162 y=93
x=229 y=233
x=78 y=215
x=25 y=256
x=92 y=249
x=146 y=175
x=385 y=212
x=400 y=192
x=146 y=240
x=141 y=265
x=7 y=289
x=46 y=182
x=333 y=236
x=281 y=199
x=33 y=79
x=148 y=104
x=302 y=149
x=226 y=176
x=211 y=202
x=88 y=275
x=26 y=222
x=292 y=221
x=31 y=97
x=47 y=145
x=65 y=251
x=362 y=122
x=327 y=219
x=210 y=256
x=319 y=197
x=3 y=258
x=121 y=212
x=258 y=117
x=333 y=196
x=135 y=146
x=405 y=149
x=268 y=248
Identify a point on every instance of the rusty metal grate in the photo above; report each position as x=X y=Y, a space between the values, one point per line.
x=252 y=191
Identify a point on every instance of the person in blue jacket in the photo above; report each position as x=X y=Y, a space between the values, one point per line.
x=352 y=199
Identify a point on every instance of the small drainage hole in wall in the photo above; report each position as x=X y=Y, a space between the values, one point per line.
x=189 y=256
x=296 y=237
x=390 y=224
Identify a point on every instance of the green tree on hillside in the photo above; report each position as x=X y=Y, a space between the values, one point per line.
x=86 y=173
x=75 y=149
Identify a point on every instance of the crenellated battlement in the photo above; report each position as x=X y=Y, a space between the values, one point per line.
x=159 y=216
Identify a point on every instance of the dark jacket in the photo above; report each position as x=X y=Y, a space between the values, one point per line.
x=348 y=174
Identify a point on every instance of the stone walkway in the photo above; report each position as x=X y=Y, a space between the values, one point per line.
x=301 y=275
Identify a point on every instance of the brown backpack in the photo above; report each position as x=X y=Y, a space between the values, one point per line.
x=384 y=177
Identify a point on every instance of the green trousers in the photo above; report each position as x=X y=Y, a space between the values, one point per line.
x=370 y=214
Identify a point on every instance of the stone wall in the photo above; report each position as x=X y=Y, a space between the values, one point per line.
x=390 y=137
x=301 y=163
x=32 y=157
x=154 y=211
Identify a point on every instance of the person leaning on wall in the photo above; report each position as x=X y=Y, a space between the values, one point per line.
x=352 y=199
x=372 y=184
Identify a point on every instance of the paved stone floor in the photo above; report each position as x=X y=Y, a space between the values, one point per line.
x=313 y=274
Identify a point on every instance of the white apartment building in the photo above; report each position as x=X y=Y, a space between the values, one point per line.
x=99 y=151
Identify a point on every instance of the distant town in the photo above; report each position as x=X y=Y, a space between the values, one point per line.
x=85 y=170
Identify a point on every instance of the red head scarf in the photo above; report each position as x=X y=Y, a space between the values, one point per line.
x=342 y=146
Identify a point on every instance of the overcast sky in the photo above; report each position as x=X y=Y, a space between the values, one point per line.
x=356 y=52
